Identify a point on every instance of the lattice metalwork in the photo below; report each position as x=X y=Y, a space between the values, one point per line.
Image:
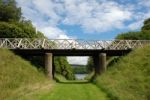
x=29 y=43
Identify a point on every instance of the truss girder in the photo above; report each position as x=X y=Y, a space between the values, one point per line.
x=29 y=43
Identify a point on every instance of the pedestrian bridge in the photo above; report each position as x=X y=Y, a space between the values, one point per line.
x=71 y=47
x=38 y=43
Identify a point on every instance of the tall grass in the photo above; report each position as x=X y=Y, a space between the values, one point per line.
x=17 y=76
x=129 y=78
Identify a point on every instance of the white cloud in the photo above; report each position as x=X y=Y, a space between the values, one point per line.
x=91 y=16
x=139 y=19
x=77 y=60
x=144 y=3
x=94 y=16
x=54 y=33
x=136 y=25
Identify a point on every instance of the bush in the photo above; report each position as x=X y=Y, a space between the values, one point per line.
x=8 y=30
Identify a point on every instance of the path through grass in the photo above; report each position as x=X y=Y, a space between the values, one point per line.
x=86 y=91
x=72 y=91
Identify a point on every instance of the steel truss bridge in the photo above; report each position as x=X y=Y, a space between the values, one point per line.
x=58 y=46
x=98 y=49
x=29 y=43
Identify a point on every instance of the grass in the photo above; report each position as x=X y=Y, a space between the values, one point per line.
x=86 y=91
x=18 y=77
x=129 y=78
x=70 y=90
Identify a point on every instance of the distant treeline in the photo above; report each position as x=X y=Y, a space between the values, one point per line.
x=79 y=69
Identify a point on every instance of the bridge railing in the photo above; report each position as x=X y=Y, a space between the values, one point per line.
x=37 y=43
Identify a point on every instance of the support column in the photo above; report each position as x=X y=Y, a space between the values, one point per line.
x=103 y=62
x=49 y=64
x=100 y=63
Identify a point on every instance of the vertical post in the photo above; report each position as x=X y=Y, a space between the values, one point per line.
x=103 y=62
x=49 y=64
x=100 y=63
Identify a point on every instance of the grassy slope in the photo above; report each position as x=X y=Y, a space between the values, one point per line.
x=129 y=79
x=18 y=77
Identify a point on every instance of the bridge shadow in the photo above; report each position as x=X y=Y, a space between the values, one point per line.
x=74 y=82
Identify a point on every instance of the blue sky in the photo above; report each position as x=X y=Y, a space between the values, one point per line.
x=85 y=19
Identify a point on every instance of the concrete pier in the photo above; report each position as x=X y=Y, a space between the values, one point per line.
x=103 y=65
x=49 y=65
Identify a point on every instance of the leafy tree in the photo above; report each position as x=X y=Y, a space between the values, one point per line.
x=9 y=11
x=8 y=30
x=81 y=69
x=62 y=67
x=40 y=35
x=146 y=25
x=13 y=25
x=90 y=64
x=129 y=36
x=18 y=30
x=27 y=27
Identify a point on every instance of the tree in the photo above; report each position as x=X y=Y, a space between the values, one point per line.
x=146 y=26
x=62 y=67
x=129 y=36
x=90 y=64
x=8 y=30
x=9 y=11
x=18 y=30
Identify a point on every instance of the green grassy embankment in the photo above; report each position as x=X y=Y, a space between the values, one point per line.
x=18 y=77
x=129 y=78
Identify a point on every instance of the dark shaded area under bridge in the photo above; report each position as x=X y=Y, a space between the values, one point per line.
x=71 y=52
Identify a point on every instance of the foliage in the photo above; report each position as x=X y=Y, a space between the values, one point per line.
x=129 y=36
x=90 y=64
x=146 y=25
x=62 y=67
x=142 y=35
x=9 y=30
x=129 y=78
x=18 y=77
x=81 y=69
x=9 y=11
x=13 y=25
